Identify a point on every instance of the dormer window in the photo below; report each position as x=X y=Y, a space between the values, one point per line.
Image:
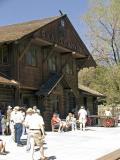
x=62 y=23
x=61 y=29
x=4 y=55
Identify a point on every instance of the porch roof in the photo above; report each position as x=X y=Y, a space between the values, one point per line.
x=7 y=81
x=49 y=85
x=89 y=91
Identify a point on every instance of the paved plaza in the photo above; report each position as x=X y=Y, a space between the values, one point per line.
x=78 y=145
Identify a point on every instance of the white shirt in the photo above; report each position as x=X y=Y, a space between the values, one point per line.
x=27 y=120
x=108 y=113
x=18 y=117
x=12 y=115
x=82 y=113
x=36 y=122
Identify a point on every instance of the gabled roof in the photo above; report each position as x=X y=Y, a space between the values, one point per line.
x=49 y=85
x=89 y=91
x=17 y=31
x=7 y=81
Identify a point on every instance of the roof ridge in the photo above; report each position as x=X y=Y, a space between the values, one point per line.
x=30 y=21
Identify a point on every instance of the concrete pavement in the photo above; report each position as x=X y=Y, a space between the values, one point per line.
x=79 y=145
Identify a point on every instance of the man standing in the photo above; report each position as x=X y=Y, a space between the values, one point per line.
x=18 y=121
x=29 y=113
x=9 y=110
x=108 y=113
x=36 y=132
x=82 y=114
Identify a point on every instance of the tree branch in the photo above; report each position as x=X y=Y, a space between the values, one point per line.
x=113 y=49
x=106 y=28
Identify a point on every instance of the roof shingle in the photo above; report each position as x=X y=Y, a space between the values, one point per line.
x=90 y=91
x=17 y=31
x=49 y=85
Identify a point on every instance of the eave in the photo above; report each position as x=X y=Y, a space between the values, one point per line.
x=59 y=48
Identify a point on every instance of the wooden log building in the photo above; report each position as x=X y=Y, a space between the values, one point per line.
x=39 y=64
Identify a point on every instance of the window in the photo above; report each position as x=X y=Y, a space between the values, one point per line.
x=4 y=55
x=31 y=58
x=61 y=29
x=55 y=102
x=62 y=22
x=52 y=63
x=45 y=52
x=26 y=101
x=69 y=67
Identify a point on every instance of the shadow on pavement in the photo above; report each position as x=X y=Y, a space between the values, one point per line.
x=51 y=158
x=89 y=129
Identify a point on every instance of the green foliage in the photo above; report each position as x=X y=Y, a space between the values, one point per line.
x=106 y=80
x=103 y=21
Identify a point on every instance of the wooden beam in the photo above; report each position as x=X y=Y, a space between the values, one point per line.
x=50 y=53
x=25 y=50
x=77 y=55
x=62 y=49
x=31 y=88
x=55 y=85
x=43 y=42
x=115 y=155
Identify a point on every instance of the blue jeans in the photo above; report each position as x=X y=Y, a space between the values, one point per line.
x=18 y=132
x=73 y=125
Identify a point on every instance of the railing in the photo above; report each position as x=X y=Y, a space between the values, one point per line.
x=104 y=121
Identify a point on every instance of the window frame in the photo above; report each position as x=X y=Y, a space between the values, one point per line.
x=52 y=65
x=68 y=69
x=4 y=53
x=31 y=57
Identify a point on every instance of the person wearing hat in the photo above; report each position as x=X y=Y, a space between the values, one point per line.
x=9 y=110
x=12 y=128
x=82 y=114
x=29 y=113
x=18 y=125
x=36 y=133
x=36 y=109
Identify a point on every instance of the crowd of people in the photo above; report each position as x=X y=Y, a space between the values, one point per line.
x=18 y=122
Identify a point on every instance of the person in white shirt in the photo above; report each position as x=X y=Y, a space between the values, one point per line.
x=12 y=128
x=18 y=123
x=82 y=114
x=36 y=132
x=108 y=113
x=36 y=109
x=29 y=113
x=71 y=121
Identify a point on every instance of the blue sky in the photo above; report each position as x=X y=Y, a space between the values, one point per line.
x=14 y=11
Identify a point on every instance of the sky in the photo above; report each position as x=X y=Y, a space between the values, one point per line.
x=15 y=11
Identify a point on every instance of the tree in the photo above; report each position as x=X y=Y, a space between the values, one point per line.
x=103 y=20
x=104 y=79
